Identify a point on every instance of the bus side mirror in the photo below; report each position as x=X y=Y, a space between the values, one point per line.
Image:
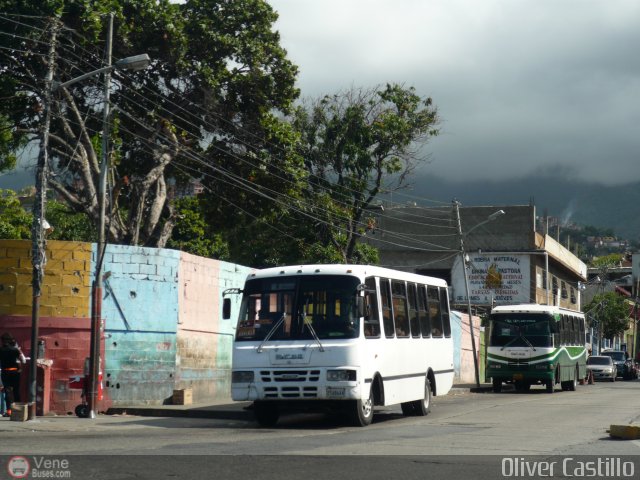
x=360 y=306
x=226 y=309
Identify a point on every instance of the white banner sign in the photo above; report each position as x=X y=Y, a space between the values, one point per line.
x=501 y=279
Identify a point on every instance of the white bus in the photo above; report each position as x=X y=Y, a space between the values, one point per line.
x=340 y=338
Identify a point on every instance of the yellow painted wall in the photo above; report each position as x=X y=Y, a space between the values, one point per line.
x=66 y=290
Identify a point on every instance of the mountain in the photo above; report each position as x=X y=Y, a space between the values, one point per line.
x=615 y=207
x=17 y=179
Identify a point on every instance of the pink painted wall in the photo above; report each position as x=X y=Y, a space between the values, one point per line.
x=466 y=372
x=203 y=349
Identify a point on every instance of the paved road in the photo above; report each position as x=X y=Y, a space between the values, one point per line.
x=463 y=431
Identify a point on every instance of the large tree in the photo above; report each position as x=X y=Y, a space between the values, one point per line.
x=357 y=145
x=211 y=97
x=609 y=312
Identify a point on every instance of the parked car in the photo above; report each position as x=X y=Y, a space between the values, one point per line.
x=626 y=368
x=602 y=367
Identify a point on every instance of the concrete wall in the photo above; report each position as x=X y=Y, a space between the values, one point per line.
x=64 y=305
x=161 y=314
x=140 y=312
x=462 y=352
x=204 y=340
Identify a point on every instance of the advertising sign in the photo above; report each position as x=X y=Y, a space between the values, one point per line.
x=499 y=279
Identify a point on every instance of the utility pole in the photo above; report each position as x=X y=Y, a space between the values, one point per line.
x=38 y=256
x=96 y=291
x=456 y=205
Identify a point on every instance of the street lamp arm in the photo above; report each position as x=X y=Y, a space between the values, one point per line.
x=490 y=218
x=57 y=85
x=134 y=63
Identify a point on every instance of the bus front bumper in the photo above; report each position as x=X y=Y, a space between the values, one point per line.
x=526 y=373
x=256 y=391
x=293 y=386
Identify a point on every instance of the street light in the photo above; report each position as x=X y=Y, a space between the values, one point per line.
x=463 y=256
x=136 y=62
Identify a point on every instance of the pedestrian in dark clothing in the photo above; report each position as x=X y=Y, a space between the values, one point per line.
x=11 y=358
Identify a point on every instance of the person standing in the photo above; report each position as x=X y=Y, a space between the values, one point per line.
x=3 y=406
x=11 y=359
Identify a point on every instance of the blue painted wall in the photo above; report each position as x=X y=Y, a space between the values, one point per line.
x=140 y=312
x=151 y=346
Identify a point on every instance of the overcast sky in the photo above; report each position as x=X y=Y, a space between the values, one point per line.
x=522 y=86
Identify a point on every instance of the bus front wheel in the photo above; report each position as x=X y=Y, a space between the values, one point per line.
x=363 y=411
x=550 y=385
x=267 y=413
x=497 y=385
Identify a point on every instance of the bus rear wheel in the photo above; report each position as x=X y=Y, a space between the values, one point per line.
x=266 y=413
x=423 y=407
x=407 y=409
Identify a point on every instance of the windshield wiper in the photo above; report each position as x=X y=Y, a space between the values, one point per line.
x=312 y=330
x=271 y=332
x=526 y=340
x=520 y=336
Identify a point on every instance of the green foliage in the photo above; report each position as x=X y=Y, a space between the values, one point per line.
x=607 y=261
x=69 y=225
x=356 y=144
x=610 y=311
x=211 y=97
x=15 y=221
x=9 y=144
x=192 y=234
x=325 y=253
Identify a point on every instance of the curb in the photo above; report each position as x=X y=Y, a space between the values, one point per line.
x=219 y=412
x=625 y=432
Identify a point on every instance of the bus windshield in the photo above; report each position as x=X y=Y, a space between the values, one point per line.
x=296 y=307
x=521 y=330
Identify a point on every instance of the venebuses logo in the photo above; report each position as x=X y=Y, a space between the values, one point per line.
x=18 y=467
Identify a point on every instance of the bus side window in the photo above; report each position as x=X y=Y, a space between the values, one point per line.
x=385 y=296
x=444 y=308
x=413 y=310
x=372 y=318
x=399 y=293
x=434 y=311
x=423 y=312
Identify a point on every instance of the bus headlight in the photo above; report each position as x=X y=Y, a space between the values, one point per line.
x=241 y=376
x=341 y=375
x=495 y=365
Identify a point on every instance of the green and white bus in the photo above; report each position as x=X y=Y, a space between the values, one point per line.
x=536 y=344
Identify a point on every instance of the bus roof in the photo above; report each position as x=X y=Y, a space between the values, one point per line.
x=533 y=308
x=360 y=271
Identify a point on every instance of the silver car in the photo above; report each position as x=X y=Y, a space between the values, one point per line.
x=602 y=368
